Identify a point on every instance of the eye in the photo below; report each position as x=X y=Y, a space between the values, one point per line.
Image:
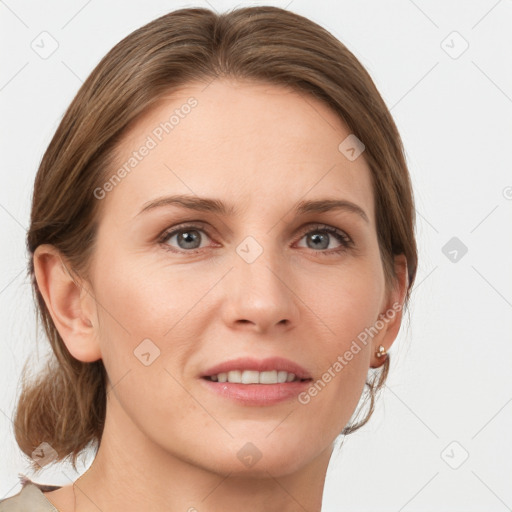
x=189 y=237
x=320 y=235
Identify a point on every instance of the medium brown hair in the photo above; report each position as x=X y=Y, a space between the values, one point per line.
x=65 y=404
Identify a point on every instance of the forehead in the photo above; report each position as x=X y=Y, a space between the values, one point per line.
x=256 y=145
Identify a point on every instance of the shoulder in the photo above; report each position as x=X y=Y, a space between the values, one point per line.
x=29 y=499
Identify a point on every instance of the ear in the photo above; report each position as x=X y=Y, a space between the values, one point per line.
x=71 y=305
x=390 y=317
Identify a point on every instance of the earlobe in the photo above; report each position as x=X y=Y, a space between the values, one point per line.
x=391 y=317
x=70 y=305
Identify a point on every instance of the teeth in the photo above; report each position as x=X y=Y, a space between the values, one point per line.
x=254 y=377
x=248 y=377
x=283 y=376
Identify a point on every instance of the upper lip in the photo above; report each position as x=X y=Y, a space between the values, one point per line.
x=260 y=365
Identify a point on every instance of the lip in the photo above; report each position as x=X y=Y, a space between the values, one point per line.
x=257 y=394
x=260 y=365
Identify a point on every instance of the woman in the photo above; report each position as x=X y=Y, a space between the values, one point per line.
x=222 y=245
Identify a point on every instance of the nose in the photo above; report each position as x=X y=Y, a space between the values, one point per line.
x=259 y=289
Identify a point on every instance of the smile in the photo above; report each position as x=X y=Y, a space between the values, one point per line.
x=255 y=377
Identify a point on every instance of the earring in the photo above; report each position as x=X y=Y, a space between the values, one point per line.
x=381 y=351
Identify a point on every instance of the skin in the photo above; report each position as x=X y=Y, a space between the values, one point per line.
x=169 y=443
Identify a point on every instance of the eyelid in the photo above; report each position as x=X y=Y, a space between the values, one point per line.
x=318 y=226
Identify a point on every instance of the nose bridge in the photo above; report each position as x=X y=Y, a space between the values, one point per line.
x=258 y=287
x=258 y=264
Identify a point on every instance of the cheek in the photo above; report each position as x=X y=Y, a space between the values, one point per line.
x=345 y=299
x=142 y=296
x=130 y=311
x=144 y=340
x=142 y=299
x=346 y=303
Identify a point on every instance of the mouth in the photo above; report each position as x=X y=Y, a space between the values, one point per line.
x=248 y=370
x=253 y=382
x=254 y=377
x=252 y=394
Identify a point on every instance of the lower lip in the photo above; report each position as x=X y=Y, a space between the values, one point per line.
x=257 y=394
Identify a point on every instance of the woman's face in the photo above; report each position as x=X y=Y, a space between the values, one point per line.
x=261 y=281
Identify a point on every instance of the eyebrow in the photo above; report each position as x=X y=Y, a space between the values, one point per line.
x=206 y=204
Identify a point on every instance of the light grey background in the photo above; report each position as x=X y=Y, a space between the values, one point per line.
x=449 y=392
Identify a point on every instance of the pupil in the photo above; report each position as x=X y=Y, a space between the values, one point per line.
x=317 y=238
x=188 y=238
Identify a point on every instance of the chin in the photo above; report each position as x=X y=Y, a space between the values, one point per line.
x=260 y=457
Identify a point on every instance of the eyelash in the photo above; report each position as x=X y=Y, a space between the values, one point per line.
x=342 y=237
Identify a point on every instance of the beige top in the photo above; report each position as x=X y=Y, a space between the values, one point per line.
x=30 y=498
